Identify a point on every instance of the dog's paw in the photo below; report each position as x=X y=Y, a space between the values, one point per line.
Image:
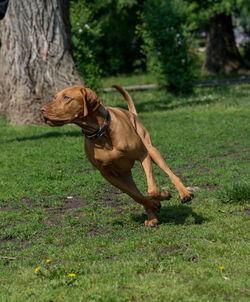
x=187 y=198
x=151 y=223
x=164 y=195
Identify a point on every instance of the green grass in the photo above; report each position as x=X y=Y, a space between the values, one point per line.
x=133 y=79
x=54 y=205
x=235 y=192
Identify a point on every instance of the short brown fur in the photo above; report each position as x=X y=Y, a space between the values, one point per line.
x=114 y=153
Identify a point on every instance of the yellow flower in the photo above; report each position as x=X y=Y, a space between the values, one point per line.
x=48 y=260
x=72 y=275
x=37 y=270
x=222 y=268
x=207 y=105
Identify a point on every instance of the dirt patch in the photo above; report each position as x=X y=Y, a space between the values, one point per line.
x=8 y=208
x=234 y=151
x=101 y=250
x=211 y=187
x=96 y=230
x=8 y=238
x=245 y=211
x=170 y=249
x=231 y=153
x=71 y=204
x=178 y=171
x=110 y=196
x=24 y=201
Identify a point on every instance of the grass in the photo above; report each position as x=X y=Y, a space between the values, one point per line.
x=235 y=192
x=54 y=205
x=124 y=80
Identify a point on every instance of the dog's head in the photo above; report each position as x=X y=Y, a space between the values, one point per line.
x=70 y=105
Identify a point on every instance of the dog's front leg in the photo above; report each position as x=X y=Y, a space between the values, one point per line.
x=124 y=181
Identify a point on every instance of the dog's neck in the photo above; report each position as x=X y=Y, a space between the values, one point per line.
x=94 y=120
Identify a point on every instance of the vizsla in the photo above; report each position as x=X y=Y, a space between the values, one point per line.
x=114 y=139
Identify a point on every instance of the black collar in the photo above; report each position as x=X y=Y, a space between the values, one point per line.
x=101 y=131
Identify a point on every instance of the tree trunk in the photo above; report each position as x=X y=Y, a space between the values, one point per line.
x=222 y=55
x=35 y=57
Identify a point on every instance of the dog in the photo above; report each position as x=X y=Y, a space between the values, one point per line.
x=114 y=139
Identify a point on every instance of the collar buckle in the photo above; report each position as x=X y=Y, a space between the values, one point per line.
x=100 y=132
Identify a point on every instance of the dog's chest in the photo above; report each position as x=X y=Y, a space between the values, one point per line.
x=120 y=157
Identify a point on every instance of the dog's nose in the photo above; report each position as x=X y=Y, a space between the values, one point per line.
x=43 y=109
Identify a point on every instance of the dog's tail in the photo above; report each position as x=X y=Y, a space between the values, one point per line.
x=131 y=105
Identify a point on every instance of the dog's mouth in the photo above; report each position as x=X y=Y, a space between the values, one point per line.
x=55 y=123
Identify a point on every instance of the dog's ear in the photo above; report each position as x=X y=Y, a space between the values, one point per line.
x=92 y=99
x=85 y=107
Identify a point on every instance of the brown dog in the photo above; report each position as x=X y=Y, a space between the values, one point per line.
x=114 y=139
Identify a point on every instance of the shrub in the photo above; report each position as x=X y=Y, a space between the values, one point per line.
x=166 y=46
x=85 y=34
x=103 y=34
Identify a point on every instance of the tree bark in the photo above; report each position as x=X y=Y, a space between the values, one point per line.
x=222 y=54
x=35 y=57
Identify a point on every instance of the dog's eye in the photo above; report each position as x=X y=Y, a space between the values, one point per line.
x=67 y=98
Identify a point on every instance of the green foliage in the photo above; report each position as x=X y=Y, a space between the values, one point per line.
x=123 y=36
x=104 y=36
x=203 y=10
x=86 y=33
x=166 y=45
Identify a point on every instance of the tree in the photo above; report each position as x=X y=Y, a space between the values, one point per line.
x=35 y=57
x=222 y=54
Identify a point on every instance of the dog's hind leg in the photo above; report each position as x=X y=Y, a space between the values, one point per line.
x=157 y=158
x=125 y=182
x=153 y=191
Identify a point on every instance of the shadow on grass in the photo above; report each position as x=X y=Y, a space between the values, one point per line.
x=177 y=215
x=166 y=104
x=48 y=135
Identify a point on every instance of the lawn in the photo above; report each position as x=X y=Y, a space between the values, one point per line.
x=54 y=205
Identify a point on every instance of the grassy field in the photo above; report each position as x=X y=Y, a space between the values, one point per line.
x=55 y=206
